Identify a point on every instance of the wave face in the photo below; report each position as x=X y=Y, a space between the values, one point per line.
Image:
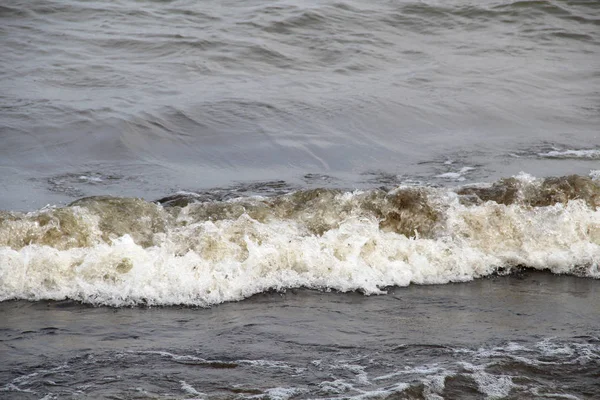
x=126 y=251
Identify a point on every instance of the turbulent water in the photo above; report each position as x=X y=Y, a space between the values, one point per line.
x=276 y=163
x=121 y=251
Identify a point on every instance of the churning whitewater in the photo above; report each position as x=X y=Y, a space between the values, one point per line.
x=126 y=251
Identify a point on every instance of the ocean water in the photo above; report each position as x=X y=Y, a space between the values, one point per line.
x=300 y=199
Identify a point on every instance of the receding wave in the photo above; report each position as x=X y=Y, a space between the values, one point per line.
x=178 y=250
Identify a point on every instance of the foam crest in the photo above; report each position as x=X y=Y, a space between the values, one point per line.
x=123 y=252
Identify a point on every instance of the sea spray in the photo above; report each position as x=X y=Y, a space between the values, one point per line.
x=121 y=251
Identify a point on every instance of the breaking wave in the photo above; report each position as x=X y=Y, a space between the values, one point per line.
x=180 y=250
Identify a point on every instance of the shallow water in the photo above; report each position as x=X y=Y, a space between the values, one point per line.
x=528 y=335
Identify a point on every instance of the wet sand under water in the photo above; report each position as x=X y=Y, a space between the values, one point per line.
x=175 y=351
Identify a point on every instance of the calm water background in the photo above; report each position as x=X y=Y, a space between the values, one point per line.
x=229 y=98
x=143 y=98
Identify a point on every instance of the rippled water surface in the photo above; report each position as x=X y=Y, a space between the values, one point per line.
x=366 y=199
x=494 y=338
x=143 y=98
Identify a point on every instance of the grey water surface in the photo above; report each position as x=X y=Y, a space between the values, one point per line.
x=144 y=98
x=525 y=336
x=217 y=99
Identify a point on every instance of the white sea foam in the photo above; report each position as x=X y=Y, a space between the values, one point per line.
x=10 y=387
x=189 y=389
x=491 y=385
x=483 y=369
x=450 y=175
x=375 y=393
x=359 y=371
x=456 y=175
x=583 y=154
x=337 y=386
x=419 y=370
x=211 y=261
x=536 y=392
x=92 y=179
x=20 y=383
x=279 y=393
